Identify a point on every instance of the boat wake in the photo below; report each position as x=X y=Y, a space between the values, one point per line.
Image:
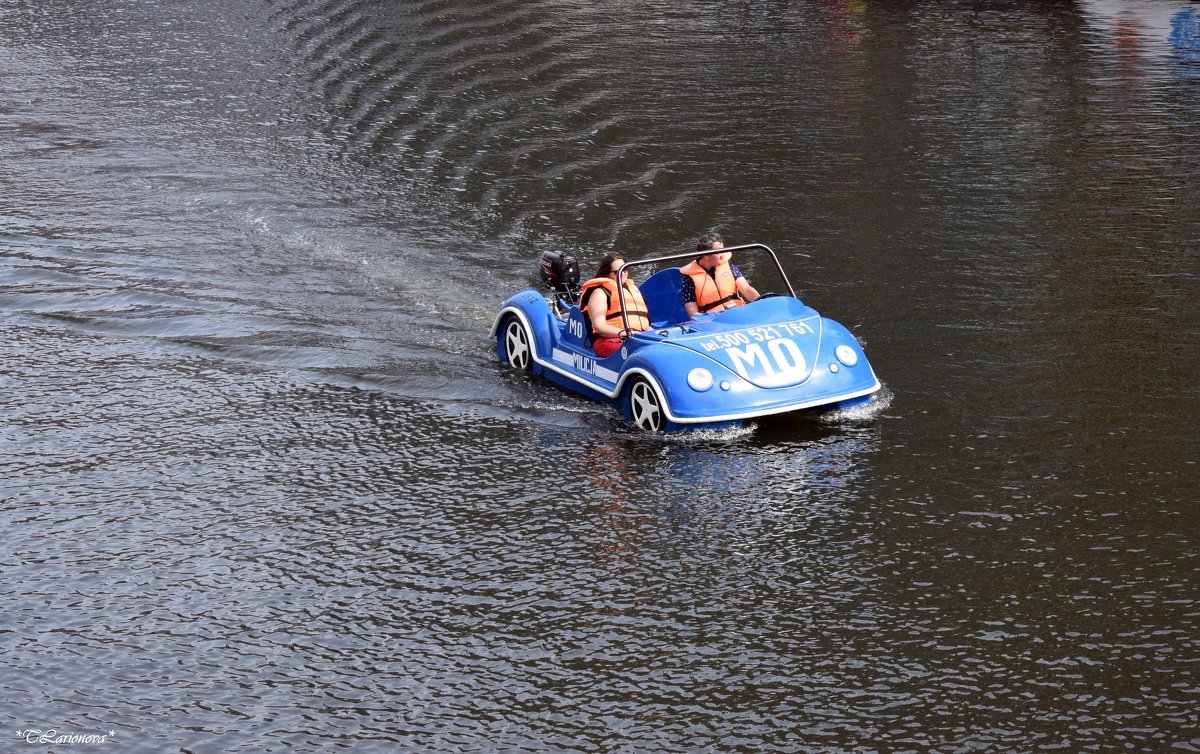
x=865 y=412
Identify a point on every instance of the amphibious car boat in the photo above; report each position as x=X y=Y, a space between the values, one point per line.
x=770 y=356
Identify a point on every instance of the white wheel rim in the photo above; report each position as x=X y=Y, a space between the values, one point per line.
x=643 y=404
x=516 y=345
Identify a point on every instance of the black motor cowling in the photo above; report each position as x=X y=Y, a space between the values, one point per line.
x=559 y=272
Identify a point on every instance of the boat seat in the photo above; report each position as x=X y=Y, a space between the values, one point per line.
x=661 y=291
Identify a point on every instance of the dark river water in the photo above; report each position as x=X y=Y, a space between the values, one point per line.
x=265 y=488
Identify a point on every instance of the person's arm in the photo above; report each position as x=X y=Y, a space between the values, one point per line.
x=687 y=290
x=597 y=306
x=745 y=290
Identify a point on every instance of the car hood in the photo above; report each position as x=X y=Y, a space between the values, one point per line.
x=775 y=354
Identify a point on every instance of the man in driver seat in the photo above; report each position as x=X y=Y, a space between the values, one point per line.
x=710 y=282
x=601 y=307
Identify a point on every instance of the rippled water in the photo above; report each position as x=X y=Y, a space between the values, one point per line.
x=264 y=487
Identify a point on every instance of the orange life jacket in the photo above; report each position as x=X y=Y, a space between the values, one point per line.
x=635 y=305
x=716 y=292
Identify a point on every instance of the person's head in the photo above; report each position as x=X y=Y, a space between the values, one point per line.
x=609 y=266
x=711 y=243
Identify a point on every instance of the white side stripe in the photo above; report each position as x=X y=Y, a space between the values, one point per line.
x=584 y=364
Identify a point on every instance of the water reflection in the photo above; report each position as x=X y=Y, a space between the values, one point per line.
x=1185 y=37
x=645 y=498
x=1143 y=27
x=607 y=463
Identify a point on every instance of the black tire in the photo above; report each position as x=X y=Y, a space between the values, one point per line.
x=516 y=344
x=644 y=407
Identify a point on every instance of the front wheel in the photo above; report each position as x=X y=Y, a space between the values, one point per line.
x=516 y=345
x=644 y=407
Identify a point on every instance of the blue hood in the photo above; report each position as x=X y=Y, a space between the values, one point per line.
x=779 y=353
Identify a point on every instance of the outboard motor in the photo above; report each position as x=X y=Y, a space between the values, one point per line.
x=560 y=274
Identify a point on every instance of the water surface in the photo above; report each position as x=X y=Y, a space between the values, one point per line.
x=265 y=488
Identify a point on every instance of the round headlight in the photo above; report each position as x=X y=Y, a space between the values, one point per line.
x=846 y=355
x=700 y=380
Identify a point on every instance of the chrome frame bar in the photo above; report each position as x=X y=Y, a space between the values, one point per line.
x=692 y=255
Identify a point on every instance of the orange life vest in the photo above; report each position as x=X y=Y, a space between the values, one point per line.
x=635 y=305
x=716 y=292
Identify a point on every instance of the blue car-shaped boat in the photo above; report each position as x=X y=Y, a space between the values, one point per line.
x=771 y=356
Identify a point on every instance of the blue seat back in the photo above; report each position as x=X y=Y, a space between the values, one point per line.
x=661 y=291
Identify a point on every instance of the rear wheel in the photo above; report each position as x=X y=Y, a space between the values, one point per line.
x=645 y=408
x=516 y=345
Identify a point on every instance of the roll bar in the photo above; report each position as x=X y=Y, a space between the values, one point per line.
x=689 y=255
